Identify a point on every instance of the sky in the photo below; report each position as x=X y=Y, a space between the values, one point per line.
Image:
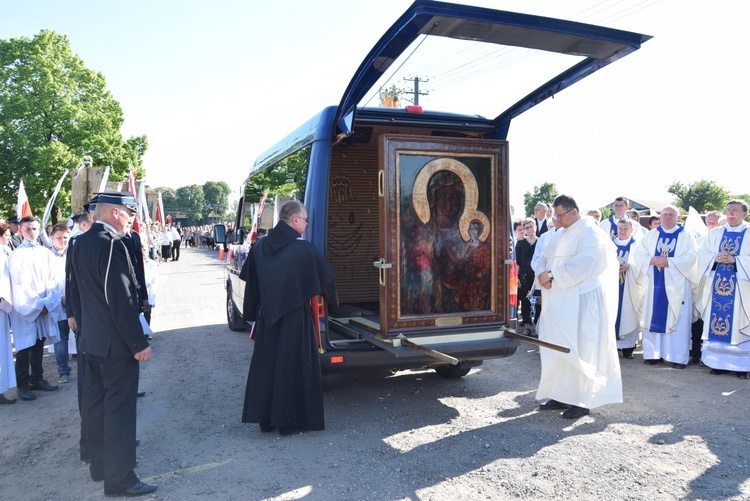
x=215 y=84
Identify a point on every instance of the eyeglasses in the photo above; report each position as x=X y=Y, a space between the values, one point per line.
x=302 y=218
x=558 y=216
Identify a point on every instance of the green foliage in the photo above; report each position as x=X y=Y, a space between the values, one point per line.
x=545 y=193
x=216 y=198
x=190 y=200
x=287 y=177
x=53 y=111
x=703 y=196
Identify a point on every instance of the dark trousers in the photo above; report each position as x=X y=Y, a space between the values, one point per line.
x=175 y=250
x=29 y=357
x=83 y=443
x=523 y=290
x=109 y=402
x=696 y=332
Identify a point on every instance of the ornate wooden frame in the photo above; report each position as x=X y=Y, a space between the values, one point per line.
x=444 y=233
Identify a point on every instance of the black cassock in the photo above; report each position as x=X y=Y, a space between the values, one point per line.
x=284 y=386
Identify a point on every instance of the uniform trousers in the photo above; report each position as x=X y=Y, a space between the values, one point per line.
x=109 y=401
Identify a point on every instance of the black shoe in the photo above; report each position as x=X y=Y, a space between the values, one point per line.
x=26 y=394
x=718 y=372
x=694 y=361
x=6 y=400
x=43 y=385
x=96 y=476
x=141 y=393
x=679 y=366
x=652 y=361
x=553 y=405
x=139 y=489
x=575 y=412
x=266 y=428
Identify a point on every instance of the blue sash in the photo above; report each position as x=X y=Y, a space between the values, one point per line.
x=612 y=227
x=665 y=247
x=622 y=254
x=724 y=290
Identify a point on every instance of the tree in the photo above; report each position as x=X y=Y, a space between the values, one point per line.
x=190 y=201
x=216 y=198
x=702 y=196
x=547 y=193
x=53 y=111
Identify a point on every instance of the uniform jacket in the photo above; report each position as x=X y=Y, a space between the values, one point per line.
x=103 y=289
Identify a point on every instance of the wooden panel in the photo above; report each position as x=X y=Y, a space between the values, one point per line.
x=353 y=223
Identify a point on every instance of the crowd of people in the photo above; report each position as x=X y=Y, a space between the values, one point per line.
x=681 y=291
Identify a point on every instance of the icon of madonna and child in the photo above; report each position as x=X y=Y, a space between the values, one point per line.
x=446 y=252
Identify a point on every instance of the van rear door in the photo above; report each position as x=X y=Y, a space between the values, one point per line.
x=509 y=61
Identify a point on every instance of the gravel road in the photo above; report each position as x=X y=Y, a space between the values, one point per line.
x=681 y=434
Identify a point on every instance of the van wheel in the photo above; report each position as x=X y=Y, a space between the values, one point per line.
x=234 y=321
x=452 y=371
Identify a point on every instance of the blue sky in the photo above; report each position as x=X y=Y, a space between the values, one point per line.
x=214 y=84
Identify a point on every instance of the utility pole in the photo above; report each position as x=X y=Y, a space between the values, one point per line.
x=416 y=91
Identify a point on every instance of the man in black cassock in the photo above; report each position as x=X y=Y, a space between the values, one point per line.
x=283 y=273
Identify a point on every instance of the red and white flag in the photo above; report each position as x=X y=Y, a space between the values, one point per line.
x=23 y=207
x=131 y=189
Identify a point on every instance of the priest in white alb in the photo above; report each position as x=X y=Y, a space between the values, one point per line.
x=666 y=260
x=724 y=293
x=578 y=275
x=627 y=323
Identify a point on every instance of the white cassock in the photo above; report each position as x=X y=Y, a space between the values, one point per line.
x=33 y=287
x=734 y=355
x=673 y=345
x=7 y=369
x=579 y=312
x=630 y=326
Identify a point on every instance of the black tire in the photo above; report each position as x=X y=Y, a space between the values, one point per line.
x=452 y=371
x=234 y=320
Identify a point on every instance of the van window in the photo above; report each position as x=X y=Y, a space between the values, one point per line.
x=288 y=177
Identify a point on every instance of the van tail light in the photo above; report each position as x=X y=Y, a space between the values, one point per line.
x=417 y=110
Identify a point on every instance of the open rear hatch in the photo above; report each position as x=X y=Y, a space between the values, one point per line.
x=443 y=225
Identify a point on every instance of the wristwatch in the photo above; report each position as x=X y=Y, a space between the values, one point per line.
x=549 y=274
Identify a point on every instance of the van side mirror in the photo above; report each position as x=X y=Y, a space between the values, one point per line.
x=220 y=234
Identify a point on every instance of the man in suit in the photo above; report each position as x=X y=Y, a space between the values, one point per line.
x=542 y=221
x=104 y=288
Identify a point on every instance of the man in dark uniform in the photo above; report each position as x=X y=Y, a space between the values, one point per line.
x=16 y=238
x=284 y=385
x=103 y=285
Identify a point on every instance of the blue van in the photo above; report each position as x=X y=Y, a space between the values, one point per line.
x=411 y=205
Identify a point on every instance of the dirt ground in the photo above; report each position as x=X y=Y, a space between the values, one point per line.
x=681 y=434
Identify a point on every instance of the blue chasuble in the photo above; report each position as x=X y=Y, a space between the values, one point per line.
x=665 y=247
x=724 y=290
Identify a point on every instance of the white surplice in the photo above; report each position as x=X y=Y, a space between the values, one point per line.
x=579 y=313
x=33 y=287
